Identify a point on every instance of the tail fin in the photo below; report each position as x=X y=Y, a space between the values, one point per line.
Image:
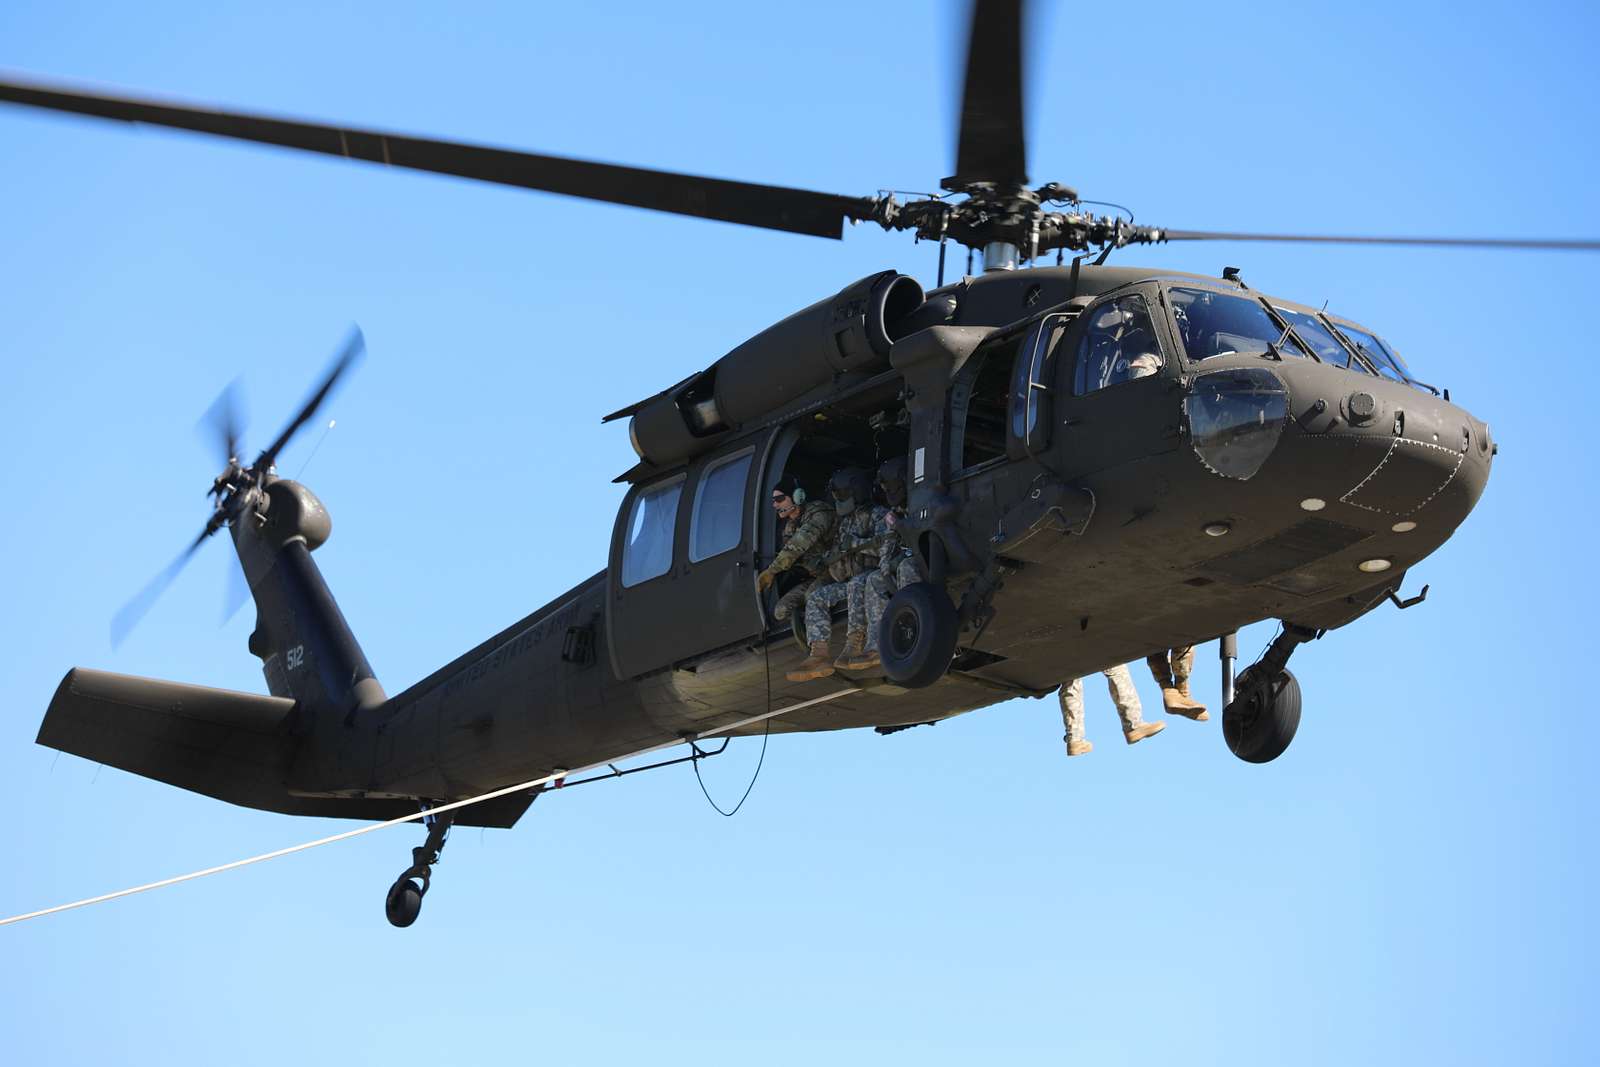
x=307 y=651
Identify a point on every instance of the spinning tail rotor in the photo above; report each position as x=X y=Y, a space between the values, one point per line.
x=238 y=491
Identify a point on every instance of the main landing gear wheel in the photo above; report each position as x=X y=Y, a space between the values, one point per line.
x=403 y=903
x=1264 y=716
x=917 y=635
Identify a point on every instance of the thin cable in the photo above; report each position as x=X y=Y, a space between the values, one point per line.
x=314 y=448
x=766 y=657
x=452 y=806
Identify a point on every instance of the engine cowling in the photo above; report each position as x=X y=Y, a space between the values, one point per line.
x=848 y=332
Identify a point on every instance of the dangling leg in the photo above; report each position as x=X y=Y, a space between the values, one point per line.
x=819 y=626
x=1126 y=698
x=1175 y=695
x=1160 y=669
x=854 y=656
x=1072 y=717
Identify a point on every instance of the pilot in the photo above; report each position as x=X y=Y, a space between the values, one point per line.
x=1123 y=695
x=1171 y=668
x=807 y=534
x=897 y=567
x=854 y=550
x=1139 y=348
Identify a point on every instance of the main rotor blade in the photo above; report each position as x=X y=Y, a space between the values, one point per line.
x=222 y=422
x=126 y=618
x=769 y=206
x=354 y=346
x=990 y=145
x=1539 y=244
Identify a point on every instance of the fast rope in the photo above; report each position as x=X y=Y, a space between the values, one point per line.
x=766 y=656
x=521 y=787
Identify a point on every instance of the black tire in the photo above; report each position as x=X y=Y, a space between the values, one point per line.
x=1263 y=717
x=917 y=635
x=404 y=902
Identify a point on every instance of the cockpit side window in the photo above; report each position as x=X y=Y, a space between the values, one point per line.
x=1118 y=345
x=1219 y=324
x=648 y=551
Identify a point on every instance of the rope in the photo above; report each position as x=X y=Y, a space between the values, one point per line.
x=766 y=655
x=440 y=809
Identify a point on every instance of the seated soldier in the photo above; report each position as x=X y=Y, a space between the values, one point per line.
x=805 y=538
x=896 y=567
x=853 y=551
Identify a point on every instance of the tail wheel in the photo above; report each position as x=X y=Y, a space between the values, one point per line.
x=404 y=902
x=917 y=635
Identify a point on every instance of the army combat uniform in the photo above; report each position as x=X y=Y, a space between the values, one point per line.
x=870 y=592
x=1123 y=695
x=1171 y=669
x=806 y=541
x=861 y=539
x=855 y=530
x=857 y=517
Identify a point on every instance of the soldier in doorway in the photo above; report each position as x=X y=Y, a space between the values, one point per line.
x=897 y=567
x=1172 y=668
x=806 y=536
x=854 y=551
x=1123 y=695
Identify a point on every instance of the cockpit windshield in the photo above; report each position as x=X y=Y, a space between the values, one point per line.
x=1377 y=353
x=1311 y=330
x=1216 y=324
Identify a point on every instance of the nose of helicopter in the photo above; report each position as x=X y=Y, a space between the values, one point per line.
x=1387 y=450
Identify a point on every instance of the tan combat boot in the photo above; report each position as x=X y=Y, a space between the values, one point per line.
x=1079 y=748
x=818 y=665
x=855 y=642
x=1144 y=730
x=1177 y=701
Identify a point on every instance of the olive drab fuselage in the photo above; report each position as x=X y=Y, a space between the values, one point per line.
x=1095 y=527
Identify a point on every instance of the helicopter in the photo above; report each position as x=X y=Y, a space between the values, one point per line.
x=1267 y=468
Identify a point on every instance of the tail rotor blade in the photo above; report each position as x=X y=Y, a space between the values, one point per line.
x=354 y=346
x=235 y=593
x=123 y=622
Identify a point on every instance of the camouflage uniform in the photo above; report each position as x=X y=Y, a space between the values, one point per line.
x=897 y=568
x=1123 y=695
x=860 y=526
x=806 y=542
x=1171 y=668
x=1172 y=672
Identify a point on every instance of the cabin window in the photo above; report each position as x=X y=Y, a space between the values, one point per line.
x=1217 y=324
x=648 y=552
x=1118 y=345
x=717 y=524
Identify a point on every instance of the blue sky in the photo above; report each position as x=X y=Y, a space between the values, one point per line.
x=1408 y=882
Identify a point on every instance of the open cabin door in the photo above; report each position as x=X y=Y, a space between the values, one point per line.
x=681 y=580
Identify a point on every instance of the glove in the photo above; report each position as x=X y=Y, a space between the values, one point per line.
x=765 y=579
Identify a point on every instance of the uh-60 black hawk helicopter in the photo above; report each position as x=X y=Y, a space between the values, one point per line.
x=1070 y=512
